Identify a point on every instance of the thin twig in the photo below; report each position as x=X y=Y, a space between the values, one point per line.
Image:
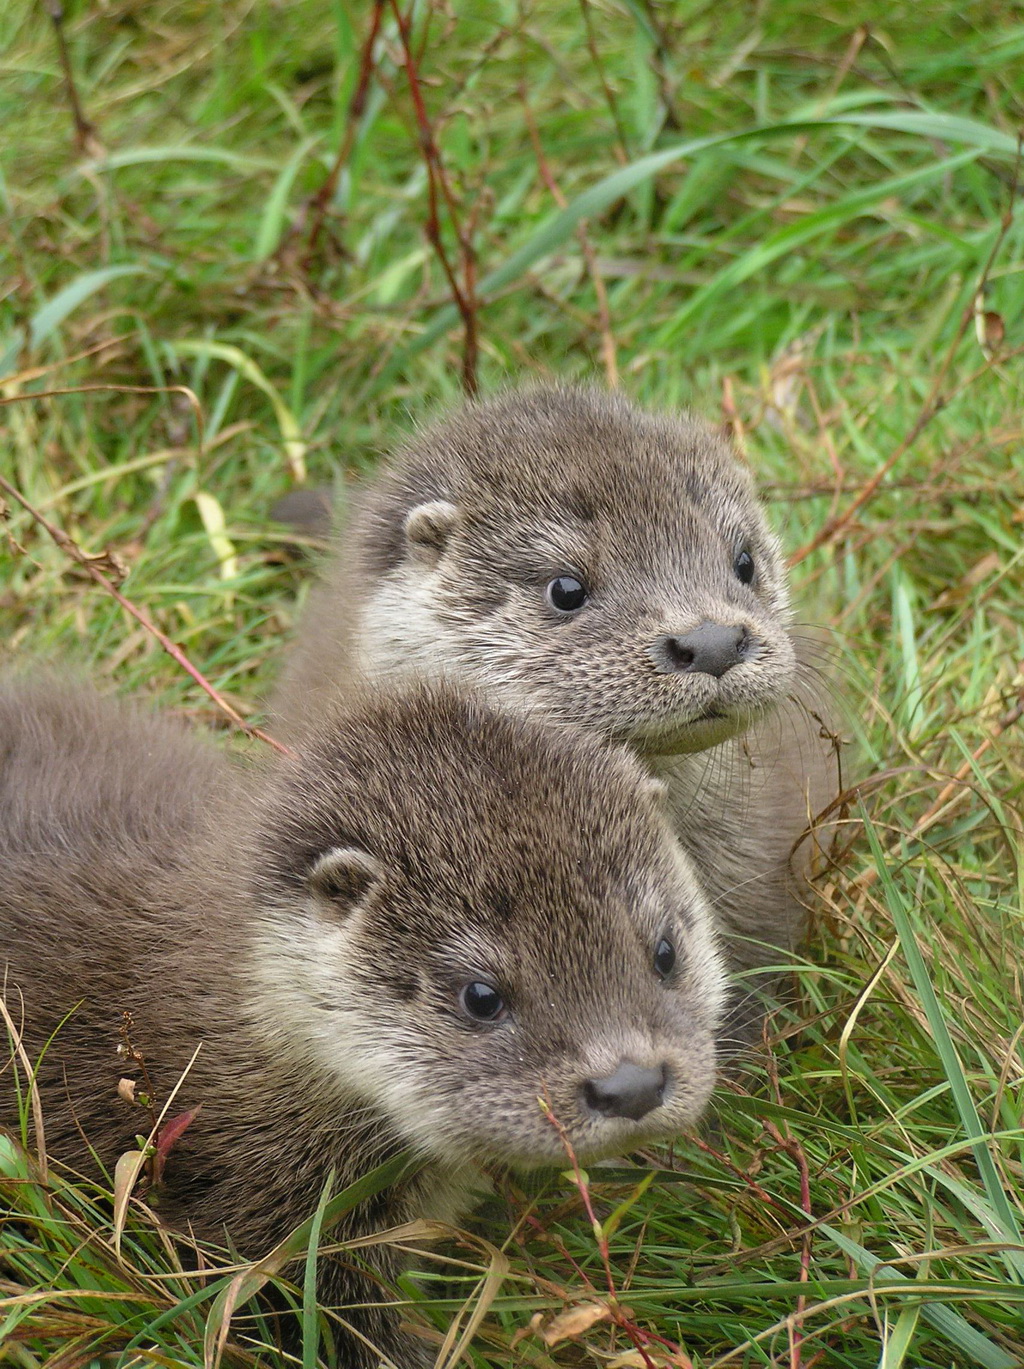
x=91 y=567
x=356 y=107
x=190 y=395
x=464 y=294
x=662 y=47
x=87 y=140
x=62 y=363
x=622 y=151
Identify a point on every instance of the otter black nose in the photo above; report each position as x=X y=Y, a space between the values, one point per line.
x=710 y=649
x=631 y=1091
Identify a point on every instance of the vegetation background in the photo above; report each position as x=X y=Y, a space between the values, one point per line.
x=310 y=223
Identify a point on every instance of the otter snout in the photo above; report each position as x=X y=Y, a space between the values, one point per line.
x=632 y=1091
x=709 y=649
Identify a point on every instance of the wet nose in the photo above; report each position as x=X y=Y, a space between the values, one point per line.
x=632 y=1091
x=710 y=649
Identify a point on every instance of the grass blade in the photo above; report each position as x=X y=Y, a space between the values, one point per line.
x=291 y=433
x=274 y=216
x=959 y=1332
x=976 y=1133
x=149 y=156
x=45 y=323
x=310 y=1310
x=620 y=183
x=247 y=1284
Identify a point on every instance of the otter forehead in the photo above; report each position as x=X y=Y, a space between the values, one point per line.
x=573 y=462
x=582 y=458
x=472 y=803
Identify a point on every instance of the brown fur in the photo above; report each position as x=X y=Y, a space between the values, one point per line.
x=140 y=871
x=442 y=570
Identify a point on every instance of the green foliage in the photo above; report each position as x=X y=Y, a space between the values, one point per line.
x=802 y=219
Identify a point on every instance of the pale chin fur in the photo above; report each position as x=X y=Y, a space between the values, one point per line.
x=683 y=739
x=295 y=969
x=291 y=971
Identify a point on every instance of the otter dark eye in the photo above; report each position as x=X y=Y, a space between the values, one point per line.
x=744 y=567
x=664 y=958
x=566 y=594
x=482 y=1001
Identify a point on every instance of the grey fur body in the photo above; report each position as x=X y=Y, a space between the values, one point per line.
x=442 y=568
x=311 y=926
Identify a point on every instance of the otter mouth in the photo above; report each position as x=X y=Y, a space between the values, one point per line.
x=713 y=724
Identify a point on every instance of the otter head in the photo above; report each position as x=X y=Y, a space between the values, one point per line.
x=475 y=925
x=574 y=554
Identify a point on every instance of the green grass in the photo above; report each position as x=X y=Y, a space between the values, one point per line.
x=787 y=216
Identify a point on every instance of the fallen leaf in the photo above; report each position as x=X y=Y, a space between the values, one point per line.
x=981 y=570
x=531 y=1328
x=126 y=1176
x=108 y=563
x=568 y=1325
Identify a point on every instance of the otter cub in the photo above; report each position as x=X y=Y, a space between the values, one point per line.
x=398 y=940
x=605 y=567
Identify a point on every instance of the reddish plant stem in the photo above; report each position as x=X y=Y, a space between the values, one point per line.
x=464 y=294
x=74 y=552
x=356 y=108
x=87 y=142
x=564 y=1253
x=636 y=1334
x=792 y=1147
x=622 y=150
x=761 y=1194
x=584 y=1192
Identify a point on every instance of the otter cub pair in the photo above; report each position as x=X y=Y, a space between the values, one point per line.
x=433 y=916
x=598 y=565
x=465 y=892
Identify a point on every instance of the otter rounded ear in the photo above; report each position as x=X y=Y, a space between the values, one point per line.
x=344 y=876
x=427 y=529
